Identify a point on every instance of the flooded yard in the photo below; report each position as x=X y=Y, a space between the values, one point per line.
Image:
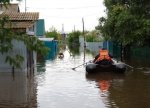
x=56 y=85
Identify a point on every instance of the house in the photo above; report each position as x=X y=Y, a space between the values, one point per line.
x=18 y=90
x=23 y=22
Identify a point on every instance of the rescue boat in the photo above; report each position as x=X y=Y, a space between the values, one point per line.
x=115 y=66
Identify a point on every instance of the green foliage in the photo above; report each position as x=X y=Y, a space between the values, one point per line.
x=74 y=50
x=34 y=44
x=93 y=36
x=15 y=61
x=73 y=37
x=127 y=22
x=4 y=1
x=6 y=37
x=52 y=33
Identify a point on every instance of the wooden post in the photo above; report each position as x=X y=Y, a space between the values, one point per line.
x=74 y=28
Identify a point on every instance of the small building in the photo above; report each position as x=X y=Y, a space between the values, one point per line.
x=52 y=45
x=24 y=22
x=18 y=90
x=21 y=22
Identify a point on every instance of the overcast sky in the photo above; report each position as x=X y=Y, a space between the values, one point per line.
x=66 y=12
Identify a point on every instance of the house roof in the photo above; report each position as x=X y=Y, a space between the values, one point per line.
x=21 y=19
x=21 y=16
x=10 y=7
x=18 y=19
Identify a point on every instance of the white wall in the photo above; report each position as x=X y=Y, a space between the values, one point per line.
x=92 y=46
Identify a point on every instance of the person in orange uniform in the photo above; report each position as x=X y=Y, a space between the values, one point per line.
x=103 y=56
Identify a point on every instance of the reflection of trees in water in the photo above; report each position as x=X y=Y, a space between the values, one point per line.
x=62 y=46
x=138 y=62
x=105 y=82
x=134 y=92
x=74 y=49
x=41 y=67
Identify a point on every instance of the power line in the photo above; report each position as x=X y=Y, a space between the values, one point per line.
x=62 y=8
x=87 y=15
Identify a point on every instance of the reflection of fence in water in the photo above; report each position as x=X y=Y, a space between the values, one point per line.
x=18 y=91
x=140 y=57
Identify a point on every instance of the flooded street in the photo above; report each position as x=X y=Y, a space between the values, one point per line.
x=57 y=85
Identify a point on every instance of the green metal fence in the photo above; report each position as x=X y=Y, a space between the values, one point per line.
x=140 y=52
x=114 y=49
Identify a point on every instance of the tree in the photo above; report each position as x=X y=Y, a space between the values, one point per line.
x=93 y=36
x=73 y=41
x=73 y=37
x=127 y=21
x=52 y=33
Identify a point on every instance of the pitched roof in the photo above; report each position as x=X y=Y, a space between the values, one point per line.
x=22 y=16
x=21 y=19
x=18 y=19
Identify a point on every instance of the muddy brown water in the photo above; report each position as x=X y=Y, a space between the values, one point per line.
x=56 y=85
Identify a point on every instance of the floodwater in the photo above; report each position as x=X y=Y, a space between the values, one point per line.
x=56 y=85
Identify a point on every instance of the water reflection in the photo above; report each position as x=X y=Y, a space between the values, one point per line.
x=17 y=91
x=56 y=85
x=41 y=67
x=61 y=87
x=74 y=49
x=105 y=81
x=134 y=92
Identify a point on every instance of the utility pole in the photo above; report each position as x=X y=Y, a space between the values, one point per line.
x=83 y=32
x=25 y=6
x=84 y=40
x=62 y=28
x=74 y=28
x=63 y=33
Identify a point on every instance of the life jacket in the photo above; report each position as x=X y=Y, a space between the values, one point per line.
x=104 y=55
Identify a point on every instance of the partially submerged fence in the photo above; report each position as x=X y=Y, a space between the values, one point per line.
x=18 y=48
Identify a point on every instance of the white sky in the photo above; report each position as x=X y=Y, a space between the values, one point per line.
x=67 y=12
